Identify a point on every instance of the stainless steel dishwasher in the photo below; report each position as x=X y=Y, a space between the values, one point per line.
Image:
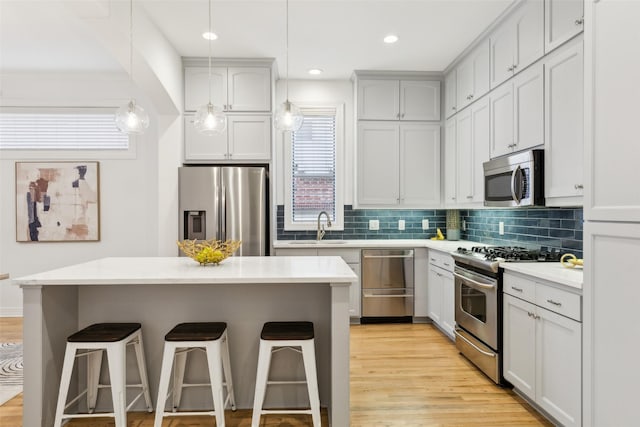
x=387 y=285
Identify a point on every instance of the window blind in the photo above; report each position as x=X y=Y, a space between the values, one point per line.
x=313 y=165
x=60 y=131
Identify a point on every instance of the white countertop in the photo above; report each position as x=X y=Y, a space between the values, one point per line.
x=440 y=245
x=182 y=270
x=552 y=271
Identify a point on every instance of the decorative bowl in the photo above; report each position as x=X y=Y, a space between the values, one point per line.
x=209 y=251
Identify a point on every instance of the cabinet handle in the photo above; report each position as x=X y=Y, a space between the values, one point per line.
x=530 y=314
x=398 y=115
x=230 y=107
x=516 y=289
x=558 y=304
x=439 y=274
x=510 y=69
x=471 y=96
x=578 y=186
x=446 y=264
x=515 y=66
x=230 y=155
x=469 y=197
x=579 y=21
x=402 y=115
x=453 y=108
x=433 y=259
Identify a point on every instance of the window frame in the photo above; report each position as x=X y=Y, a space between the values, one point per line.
x=67 y=154
x=338 y=223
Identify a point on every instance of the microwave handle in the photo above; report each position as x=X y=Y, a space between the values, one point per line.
x=516 y=172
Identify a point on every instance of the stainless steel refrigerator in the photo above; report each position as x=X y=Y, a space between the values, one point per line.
x=226 y=202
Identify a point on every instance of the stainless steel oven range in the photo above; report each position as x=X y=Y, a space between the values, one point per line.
x=478 y=301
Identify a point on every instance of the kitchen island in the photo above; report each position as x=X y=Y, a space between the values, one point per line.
x=159 y=292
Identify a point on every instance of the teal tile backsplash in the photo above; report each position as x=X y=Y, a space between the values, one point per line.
x=559 y=228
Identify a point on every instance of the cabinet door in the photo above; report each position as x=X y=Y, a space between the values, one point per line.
x=558 y=367
x=501 y=128
x=528 y=114
x=434 y=294
x=450 y=173
x=519 y=343
x=448 y=303
x=450 y=100
x=378 y=164
x=465 y=83
x=563 y=19
x=419 y=100
x=564 y=123
x=481 y=61
x=419 y=165
x=612 y=92
x=198 y=147
x=528 y=22
x=501 y=46
x=196 y=87
x=464 y=150
x=378 y=100
x=249 y=137
x=249 y=89
x=480 y=146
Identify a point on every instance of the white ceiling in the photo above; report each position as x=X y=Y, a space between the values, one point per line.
x=338 y=36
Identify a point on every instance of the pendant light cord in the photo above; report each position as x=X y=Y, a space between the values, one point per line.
x=287 y=49
x=210 y=37
x=131 y=46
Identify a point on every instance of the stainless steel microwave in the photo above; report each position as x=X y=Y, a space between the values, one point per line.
x=515 y=180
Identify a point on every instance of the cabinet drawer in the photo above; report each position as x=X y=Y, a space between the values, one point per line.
x=295 y=252
x=350 y=256
x=558 y=301
x=519 y=287
x=441 y=259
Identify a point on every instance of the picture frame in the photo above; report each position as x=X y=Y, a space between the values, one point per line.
x=57 y=201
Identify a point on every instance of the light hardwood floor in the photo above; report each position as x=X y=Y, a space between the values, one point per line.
x=401 y=376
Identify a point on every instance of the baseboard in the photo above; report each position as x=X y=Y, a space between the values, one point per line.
x=10 y=311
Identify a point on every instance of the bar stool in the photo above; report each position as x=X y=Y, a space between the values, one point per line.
x=277 y=336
x=211 y=338
x=92 y=342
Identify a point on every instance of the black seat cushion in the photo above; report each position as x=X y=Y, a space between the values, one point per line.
x=200 y=331
x=104 y=332
x=273 y=331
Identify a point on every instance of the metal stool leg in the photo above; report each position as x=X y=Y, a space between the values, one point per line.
x=94 y=366
x=142 y=368
x=226 y=366
x=65 y=381
x=264 y=361
x=179 y=365
x=116 y=355
x=309 y=357
x=163 y=387
x=214 y=362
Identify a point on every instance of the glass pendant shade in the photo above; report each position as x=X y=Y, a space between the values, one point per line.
x=289 y=117
x=210 y=120
x=131 y=118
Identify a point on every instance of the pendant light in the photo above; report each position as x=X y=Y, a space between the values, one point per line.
x=131 y=118
x=288 y=117
x=210 y=119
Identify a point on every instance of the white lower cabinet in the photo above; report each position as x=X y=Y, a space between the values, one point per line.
x=543 y=349
x=349 y=255
x=440 y=291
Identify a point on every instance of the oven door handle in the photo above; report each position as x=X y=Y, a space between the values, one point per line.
x=486 y=353
x=517 y=198
x=473 y=282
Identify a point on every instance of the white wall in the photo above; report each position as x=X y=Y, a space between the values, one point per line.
x=129 y=188
x=320 y=92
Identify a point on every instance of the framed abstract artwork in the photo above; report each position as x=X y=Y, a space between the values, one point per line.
x=57 y=201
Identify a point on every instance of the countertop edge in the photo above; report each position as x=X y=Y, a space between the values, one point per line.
x=537 y=270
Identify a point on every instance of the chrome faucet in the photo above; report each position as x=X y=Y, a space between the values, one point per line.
x=320 y=234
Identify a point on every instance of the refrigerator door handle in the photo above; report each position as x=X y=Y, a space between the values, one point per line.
x=223 y=214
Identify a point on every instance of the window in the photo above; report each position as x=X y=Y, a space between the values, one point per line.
x=65 y=130
x=314 y=169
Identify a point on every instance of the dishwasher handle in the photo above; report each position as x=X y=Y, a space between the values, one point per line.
x=387 y=256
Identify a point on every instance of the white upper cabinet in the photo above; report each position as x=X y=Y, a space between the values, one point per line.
x=473 y=76
x=246 y=138
x=564 y=125
x=233 y=88
x=464 y=157
x=450 y=100
x=612 y=92
x=517 y=113
x=481 y=140
x=563 y=19
x=518 y=42
x=398 y=164
x=450 y=172
x=380 y=99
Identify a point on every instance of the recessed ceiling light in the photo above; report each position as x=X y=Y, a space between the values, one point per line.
x=209 y=36
x=391 y=38
x=315 y=71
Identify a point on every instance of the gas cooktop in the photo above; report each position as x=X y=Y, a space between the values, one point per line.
x=489 y=257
